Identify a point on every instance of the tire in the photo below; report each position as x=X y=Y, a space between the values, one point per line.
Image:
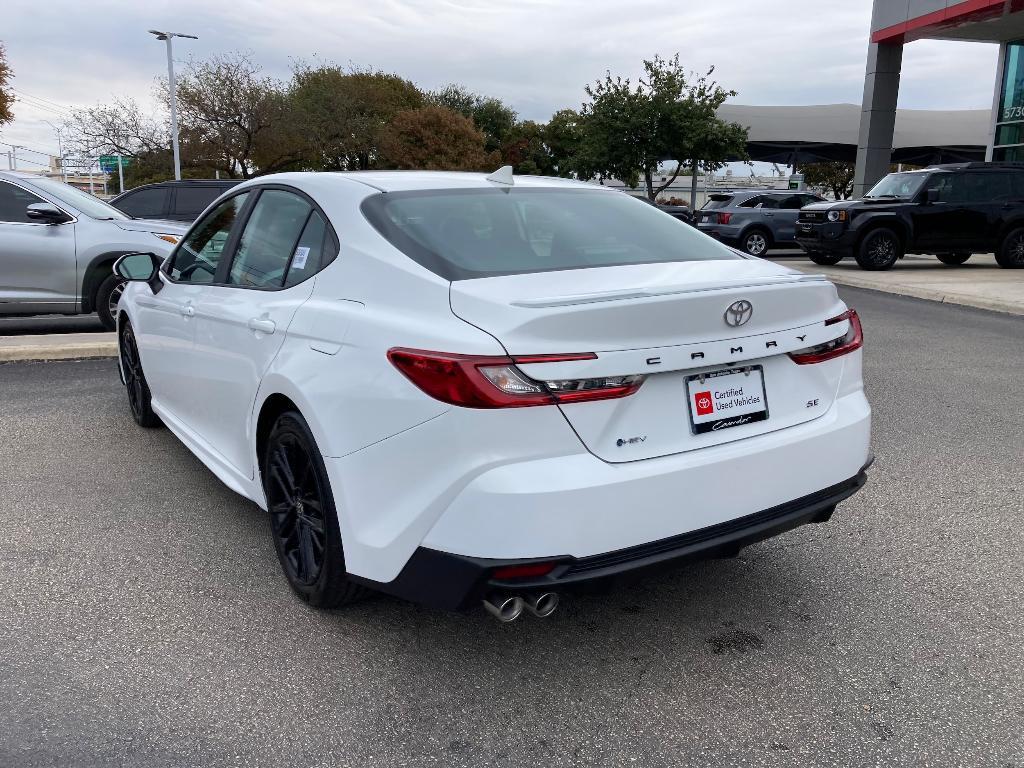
x=879 y=250
x=825 y=259
x=953 y=259
x=755 y=242
x=1011 y=251
x=303 y=518
x=107 y=296
x=139 y=400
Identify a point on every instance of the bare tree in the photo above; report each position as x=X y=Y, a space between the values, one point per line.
x=119 y=128
x=235 y=118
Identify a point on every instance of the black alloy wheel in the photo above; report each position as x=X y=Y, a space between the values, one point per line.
x=879 y=250
x=139 y=399
x=303 y=519
x=1011 y=253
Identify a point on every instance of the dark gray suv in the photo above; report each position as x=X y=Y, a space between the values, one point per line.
x=754 y=220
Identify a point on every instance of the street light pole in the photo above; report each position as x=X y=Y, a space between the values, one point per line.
x=60 y=149
x=167 y=37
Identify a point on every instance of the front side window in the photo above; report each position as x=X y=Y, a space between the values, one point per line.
x=269 y=240
x=199 y=254
x=792 y=203
x=13 y=202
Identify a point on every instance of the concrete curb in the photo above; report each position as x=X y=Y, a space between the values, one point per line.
x=57 y=347
x=942 y=297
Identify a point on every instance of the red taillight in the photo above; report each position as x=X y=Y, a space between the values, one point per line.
x=819 y=353
x=723 y=218
x=525 y=571
x=497 y=382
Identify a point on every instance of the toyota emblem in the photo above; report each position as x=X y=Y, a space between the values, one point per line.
x=738 y=313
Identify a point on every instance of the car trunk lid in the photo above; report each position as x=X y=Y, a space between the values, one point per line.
x=669 y=323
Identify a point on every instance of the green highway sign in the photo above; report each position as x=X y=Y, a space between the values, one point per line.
x=108 y=163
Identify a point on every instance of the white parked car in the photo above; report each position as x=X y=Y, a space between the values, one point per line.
x=459 y=388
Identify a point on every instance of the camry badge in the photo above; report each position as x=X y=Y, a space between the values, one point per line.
x=738 y=313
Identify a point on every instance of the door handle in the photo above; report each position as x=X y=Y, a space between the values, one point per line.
x=262 y=325
x=188 y=311
x=768 y=213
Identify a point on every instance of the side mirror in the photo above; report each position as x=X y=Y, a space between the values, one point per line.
x=932 y=196
x=137 y=266
x=47 y=212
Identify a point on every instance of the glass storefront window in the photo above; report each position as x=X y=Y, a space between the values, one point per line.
x=1008 y=154
x=1010 y=133
x=1012 y=102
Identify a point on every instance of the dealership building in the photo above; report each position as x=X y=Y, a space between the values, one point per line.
x=896 y=23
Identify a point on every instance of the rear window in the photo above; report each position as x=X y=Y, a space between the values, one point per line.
x=717 y=201
x=465 y=234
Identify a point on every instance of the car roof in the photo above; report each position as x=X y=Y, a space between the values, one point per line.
x=751 y=192
x=402 y=181
x=19 y=176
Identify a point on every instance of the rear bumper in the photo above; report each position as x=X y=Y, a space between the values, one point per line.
x=448 y=581
x=723 y=232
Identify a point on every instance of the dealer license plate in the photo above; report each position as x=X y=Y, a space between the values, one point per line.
x=726 y=399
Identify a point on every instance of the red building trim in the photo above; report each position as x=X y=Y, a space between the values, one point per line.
x=921 y=26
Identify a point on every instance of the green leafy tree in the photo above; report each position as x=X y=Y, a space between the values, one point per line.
x=830 y=176
x=563 y=136
x=434 y=138
x=342 y=113
x=491 y=116
x=629 y=130
x=6 y=94
x=619 y=136
x=526 y=149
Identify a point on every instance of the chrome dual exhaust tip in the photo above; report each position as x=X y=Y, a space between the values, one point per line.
x=506 y=608
x=542 y=604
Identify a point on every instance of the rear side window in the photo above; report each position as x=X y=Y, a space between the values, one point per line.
x=309 y=253
x=145 y=203
x=269 y=240
x=190 y=201
x=792 y=203
x=13 y=202
x=468 y=233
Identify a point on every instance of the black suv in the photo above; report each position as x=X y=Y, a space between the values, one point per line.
x=172 y=200
x=951 y=211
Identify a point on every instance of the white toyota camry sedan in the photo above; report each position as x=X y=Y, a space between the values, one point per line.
x=459 y=388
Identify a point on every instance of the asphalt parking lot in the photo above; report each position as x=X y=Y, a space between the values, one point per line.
x=144 y=620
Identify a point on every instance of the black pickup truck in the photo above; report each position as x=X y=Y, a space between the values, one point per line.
x=951 y=211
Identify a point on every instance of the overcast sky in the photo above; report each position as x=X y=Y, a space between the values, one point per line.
x=536 y=55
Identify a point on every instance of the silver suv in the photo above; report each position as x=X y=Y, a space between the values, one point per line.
x=754 y=220
x=58 y=246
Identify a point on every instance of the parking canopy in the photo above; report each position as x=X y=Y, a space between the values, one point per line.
x=808 y=134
